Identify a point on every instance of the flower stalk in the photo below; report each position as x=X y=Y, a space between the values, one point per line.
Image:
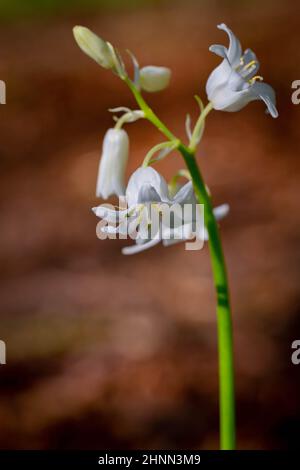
x=164 y=148
x=225 y=336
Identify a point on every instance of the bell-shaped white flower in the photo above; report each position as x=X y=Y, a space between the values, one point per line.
x=154 y=78
x=111 y=174
x=234 y=83
x=95 y=47
x=147 y=192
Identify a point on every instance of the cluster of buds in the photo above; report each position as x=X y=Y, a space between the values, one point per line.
x=150 y=78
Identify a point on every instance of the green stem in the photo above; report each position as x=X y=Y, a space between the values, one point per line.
x=149 y=114
x=225 y=339
x=171 y=145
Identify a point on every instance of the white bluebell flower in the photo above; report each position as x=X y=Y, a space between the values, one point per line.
x=111 y=174
x=234 y=83
x=147 y=195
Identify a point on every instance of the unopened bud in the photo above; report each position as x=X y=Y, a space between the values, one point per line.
x=154 y=78
x=112 y=165
x=94 y=46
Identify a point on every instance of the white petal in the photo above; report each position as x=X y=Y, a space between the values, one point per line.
x=132 y=250
x=148 y=178
x=221 y=211
x=111 y=215
x=183 y=232
x=148 y=193
x=236 y=82
x=266 y=93
x=234 y=50
x=120 y=109
x=219 y=50
x=111 y=229
x=229 y=100
x=224 y=99
x=232 y=55
x=218 y=77
x=185 y=194
x=143 y=227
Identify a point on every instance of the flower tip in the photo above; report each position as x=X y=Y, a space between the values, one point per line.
x=76 y=28
x=78 y=32
x=221 y=211
x=274 y=113
x=226 y=208
x=125 y=251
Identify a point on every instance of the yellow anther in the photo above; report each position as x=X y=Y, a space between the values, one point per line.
x=247 y=66
x=257 y=77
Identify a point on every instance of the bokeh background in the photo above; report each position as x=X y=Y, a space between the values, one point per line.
x=106 y=351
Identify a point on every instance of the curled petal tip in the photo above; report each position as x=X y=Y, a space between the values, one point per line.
x=226 y=208
x=219 y=50
x=221 y=211
x=99 y=211
x=274 y=113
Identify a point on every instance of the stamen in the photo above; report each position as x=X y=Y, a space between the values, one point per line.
x=247 y=66
x=242 y=62
x=253 y=79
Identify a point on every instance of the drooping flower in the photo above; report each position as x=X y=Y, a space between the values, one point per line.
x=147 y=196
x=111 y=174
x=153 y=78
x=234 y=83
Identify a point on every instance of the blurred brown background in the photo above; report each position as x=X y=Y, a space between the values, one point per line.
x=106 y=351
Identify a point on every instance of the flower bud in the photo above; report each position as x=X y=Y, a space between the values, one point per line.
x=94 y=46
x=112 y=165
x=154 y=78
